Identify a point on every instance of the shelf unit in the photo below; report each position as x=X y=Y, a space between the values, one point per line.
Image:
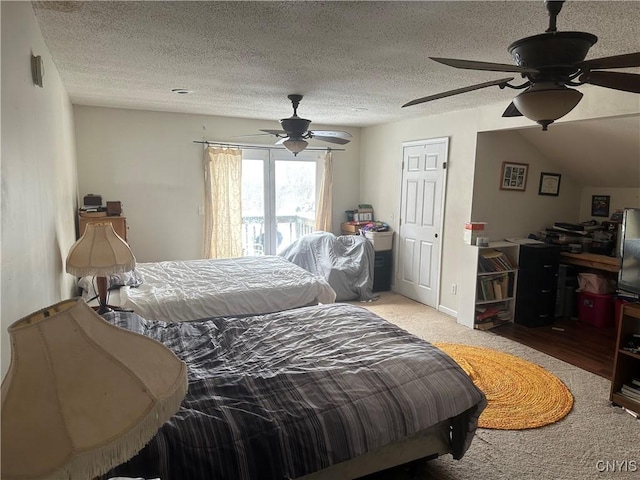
x=478 y=293
x=626 y=363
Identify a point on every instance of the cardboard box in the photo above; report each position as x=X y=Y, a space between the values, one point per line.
x=351 y=228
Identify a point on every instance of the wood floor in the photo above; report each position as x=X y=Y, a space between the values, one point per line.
x=570 y=340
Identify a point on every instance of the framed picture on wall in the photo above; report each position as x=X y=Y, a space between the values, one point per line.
x=514 y=176
x=549 y=184
x=600 y=205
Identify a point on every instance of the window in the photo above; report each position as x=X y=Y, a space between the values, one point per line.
x=279 y=194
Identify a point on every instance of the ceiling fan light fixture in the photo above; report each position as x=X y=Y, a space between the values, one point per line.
x=546 y=102
x=295 y=145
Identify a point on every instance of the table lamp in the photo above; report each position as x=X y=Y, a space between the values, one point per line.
x=81 y=395
x=100 y=252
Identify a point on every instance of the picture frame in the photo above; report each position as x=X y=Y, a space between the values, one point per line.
x=600 y=205
x=549 y=184
x=514 y=176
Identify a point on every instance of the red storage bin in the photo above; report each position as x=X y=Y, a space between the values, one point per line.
x=596 y=309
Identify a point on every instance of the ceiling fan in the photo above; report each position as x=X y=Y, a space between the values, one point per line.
x=295 y=131
x=550 y=62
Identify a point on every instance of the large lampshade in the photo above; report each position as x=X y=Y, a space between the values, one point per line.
x=295 y=145
x=81 y=395
x=100 y=251
x=546 y=102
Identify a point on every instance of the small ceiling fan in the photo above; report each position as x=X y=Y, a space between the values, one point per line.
x=295 y=131
x=550 y=62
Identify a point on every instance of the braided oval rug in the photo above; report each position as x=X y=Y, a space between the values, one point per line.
x=520 y=394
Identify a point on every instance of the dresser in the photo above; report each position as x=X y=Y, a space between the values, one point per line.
x=537 y=284
x=119 y=224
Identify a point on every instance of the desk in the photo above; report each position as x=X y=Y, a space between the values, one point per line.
x=591 y=260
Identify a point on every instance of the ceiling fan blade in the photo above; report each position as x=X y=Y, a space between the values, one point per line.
x=338 y=140
x=457 y=91
x=281 y=141
x=330 y=133
x=251 y=135
x=512 y=111
x=474 y=65
x=627 y=82
x=275 y=132
x=627 y=60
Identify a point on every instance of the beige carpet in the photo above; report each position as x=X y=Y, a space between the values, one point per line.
x=586 y=444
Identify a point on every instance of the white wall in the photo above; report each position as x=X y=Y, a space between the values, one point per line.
x=620 y=198
x=381 y=155
x=511 y=213
x=148 y=161
x=38 y=175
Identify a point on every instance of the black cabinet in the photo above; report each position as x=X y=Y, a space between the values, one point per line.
x=382 y=271
x=537 y=284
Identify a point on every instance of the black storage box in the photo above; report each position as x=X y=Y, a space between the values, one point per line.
x=382 y=271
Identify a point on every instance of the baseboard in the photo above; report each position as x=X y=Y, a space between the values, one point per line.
x=448 y=311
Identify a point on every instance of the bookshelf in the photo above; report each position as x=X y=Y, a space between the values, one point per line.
x=626 y=367
x=496 y=277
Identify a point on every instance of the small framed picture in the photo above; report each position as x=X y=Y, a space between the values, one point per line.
x=600 y=205
x=549 y=184
x=514 y=176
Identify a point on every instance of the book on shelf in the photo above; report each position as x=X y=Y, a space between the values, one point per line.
x=497 y=288
x=491 y=323
x=494 y=288
x=635 y=388
x=485 y=313
x=494 y=261
x=632 y=393
x=492 y=315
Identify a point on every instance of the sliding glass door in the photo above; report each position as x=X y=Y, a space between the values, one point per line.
x=278 y=198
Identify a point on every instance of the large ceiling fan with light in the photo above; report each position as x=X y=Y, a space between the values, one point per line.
x=295 y=131
x=550 y=63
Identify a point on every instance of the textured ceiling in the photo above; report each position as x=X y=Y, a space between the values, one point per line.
x=355 y=63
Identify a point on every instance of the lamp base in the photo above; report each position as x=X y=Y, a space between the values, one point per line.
x=102 y=295
x=103 y=308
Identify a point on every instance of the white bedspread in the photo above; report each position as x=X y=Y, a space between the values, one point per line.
x=176 y=291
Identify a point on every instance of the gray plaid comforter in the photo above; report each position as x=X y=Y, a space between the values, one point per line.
x=282 y=395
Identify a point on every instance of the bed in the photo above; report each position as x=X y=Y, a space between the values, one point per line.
x=194 y=289
x=316 y=393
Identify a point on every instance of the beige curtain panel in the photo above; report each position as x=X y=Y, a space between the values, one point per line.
x=223 y=203
x=323 y=215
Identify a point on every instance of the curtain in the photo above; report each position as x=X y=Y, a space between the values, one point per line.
x=223 y=203
x=323 y=214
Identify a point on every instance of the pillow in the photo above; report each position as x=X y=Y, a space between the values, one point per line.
x=127 y=279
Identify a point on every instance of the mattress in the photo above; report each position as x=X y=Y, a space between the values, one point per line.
x=194 y=289
x=297 y=393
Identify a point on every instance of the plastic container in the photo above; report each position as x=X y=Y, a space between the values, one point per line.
x=381 y=240
x=596 y=309
x=473 y=230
